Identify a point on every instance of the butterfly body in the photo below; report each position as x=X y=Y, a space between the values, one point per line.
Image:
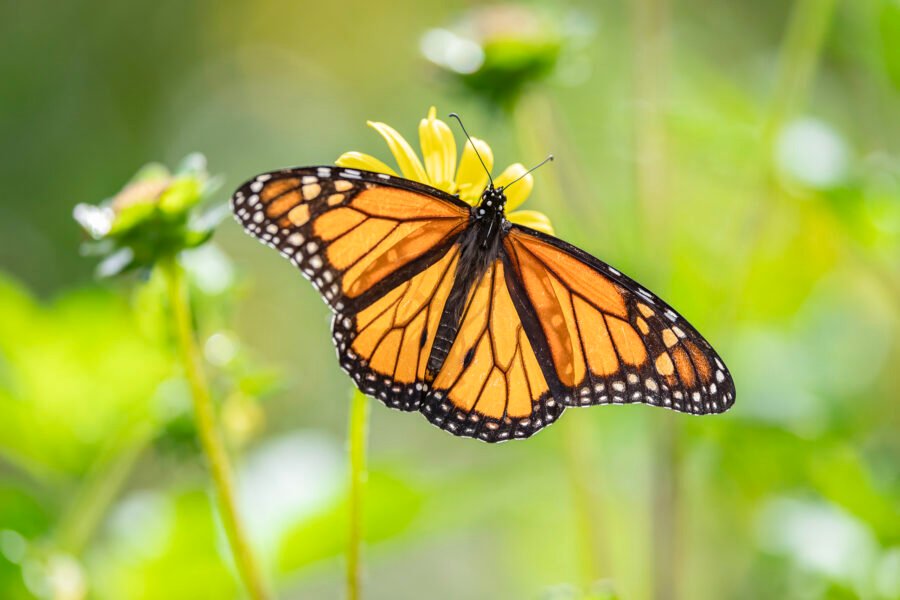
x=480 y=246
x=488 y=328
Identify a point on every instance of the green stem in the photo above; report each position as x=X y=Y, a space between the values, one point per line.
x=668 y=552
x=358 y=434
x=583 y=482
x=797 y=61
x=105 y=480
x=651 y=28
x=536 y=131
x=208 y=431
x=651 y=52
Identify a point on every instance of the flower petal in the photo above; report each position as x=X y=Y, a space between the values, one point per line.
x=358 y=160
x=471 y=178
x=438 y=150
x=403 y=153
x=520 y=191
x=533 y=219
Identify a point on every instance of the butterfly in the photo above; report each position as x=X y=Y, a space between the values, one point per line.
x=489 y=329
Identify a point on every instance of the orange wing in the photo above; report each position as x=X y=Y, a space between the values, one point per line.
x=547 y=326
x=491 y=385
x=608 y=339
x=385 y=346
x=354 y=234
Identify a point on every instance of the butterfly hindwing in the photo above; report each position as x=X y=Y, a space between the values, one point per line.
x=385 y=346
x=490 y=385
x=608 y=339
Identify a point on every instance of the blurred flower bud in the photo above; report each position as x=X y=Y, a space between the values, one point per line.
x=498 y=51
x=153 y=216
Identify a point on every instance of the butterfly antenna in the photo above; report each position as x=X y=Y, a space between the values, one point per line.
x=474 y=147
x=540 y=164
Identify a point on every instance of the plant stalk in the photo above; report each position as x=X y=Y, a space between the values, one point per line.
x=209 y=433
x=797 y=61
x=358 y=435
x=651 y=30
x=536 y=131
x=583 y=483
x=101 y=488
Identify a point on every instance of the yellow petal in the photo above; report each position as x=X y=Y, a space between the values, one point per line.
x=438 y=150
x=520 y=191
x=403 y=153
x=471 y=179
x=358 y=160
x=532 y=218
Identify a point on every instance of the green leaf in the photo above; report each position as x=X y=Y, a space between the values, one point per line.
x=391 y=505
x=76 y=369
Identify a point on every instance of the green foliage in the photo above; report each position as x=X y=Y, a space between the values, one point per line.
x=163 y=546
x=776 y=231
x=75 y=372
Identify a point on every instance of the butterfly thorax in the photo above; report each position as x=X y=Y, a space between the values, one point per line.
x=489 y=222
x=493 y=202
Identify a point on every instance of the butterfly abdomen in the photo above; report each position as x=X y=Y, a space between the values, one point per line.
x=479 y=248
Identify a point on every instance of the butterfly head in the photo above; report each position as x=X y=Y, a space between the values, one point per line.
x=493 y=199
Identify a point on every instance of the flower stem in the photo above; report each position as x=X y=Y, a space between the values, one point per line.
x=537 y=130
x=797 y=61
x=208 y=431
x=651 y=31
x=358 y=433
x=650 y=70
x=101 y=488
x=584 y=479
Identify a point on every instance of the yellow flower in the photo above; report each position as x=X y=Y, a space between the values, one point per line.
x=464 y=177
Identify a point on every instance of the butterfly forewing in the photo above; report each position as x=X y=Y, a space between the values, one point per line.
x=352 y=233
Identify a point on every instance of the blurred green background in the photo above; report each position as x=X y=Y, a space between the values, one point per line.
x=741 y=159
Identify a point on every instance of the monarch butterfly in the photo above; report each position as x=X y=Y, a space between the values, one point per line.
x=488 y=328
